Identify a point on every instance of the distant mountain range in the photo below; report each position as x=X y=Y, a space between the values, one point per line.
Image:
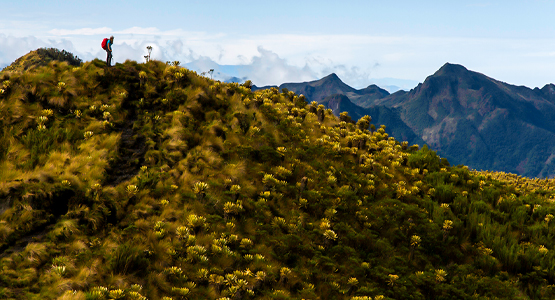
x=467 y=117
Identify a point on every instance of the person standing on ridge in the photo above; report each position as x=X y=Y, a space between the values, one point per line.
x=109 y=44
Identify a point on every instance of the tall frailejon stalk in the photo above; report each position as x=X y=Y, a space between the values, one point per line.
x=147 y=57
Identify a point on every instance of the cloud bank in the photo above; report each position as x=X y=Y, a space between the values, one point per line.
x=358 y=60
x=197 y=52
x=14 y=47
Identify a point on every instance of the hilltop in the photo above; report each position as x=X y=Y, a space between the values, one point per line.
x=150 y=181
x=41 y=57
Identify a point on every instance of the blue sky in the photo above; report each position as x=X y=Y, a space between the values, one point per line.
x=283 y=41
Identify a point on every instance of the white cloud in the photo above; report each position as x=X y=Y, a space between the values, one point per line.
x=14 y=47
x=107 y=30
x=268 y=68
x=81 y=31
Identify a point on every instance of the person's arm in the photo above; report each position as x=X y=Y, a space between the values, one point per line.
x=109 y=46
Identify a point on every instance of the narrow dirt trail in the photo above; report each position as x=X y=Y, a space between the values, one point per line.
x=131 y=151
x=131 y=147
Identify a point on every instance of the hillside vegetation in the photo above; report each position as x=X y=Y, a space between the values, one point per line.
x=148 y=181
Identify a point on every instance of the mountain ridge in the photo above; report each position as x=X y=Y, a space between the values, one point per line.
x=458 y=109
x=466 y=116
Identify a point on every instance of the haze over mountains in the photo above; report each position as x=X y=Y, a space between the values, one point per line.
x=466 y=116
x=266 y=70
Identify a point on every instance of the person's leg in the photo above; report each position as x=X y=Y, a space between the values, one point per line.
x=109 y=58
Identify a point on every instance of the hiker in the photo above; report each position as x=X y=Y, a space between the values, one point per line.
x=109 y=43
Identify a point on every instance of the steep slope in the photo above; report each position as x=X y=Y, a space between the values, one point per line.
x=339 y=103
x=242 y=195
x=480 y=122
x=379 y=115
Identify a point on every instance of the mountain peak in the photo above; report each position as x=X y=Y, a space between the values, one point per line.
x=332 y=76
x=549 y=89
x=451 y=69
x=374 y=88
x=321 y=88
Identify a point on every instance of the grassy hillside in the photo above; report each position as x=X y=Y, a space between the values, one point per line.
x=150 y=181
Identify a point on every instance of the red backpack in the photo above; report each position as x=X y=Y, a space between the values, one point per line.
x=104 y=41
